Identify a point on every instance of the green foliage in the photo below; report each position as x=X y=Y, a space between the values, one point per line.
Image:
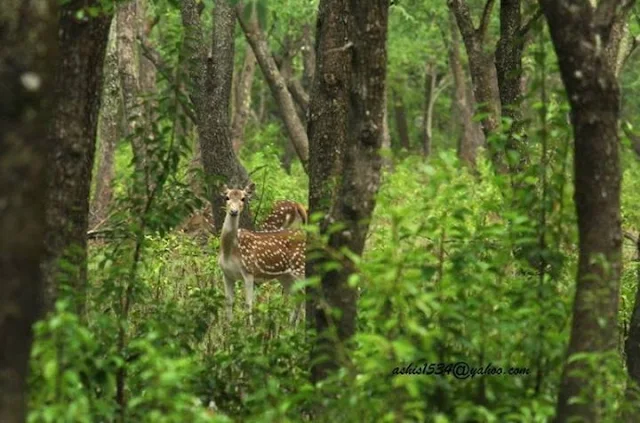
x=459 y=267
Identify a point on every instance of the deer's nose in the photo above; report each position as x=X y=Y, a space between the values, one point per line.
x=233 y=213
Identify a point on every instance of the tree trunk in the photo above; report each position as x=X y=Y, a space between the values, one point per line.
x=483 y=72
x=401 y=120
x=347 y=119
x=243 y=99
x=308 y=57
x=277 y=84
x=109 y=131
x=327 y=129
x=72 y=136
x=211 y=95
x=146 y=69
x=509 y=73
x=470 y=137
x=128 y=69
x=433 y=88
x=29 y=48
x=632 y=344
x=593 y=93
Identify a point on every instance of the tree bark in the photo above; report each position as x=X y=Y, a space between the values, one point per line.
x=509 y=73
x=72 y=135
x=327 y=129
x=632 y=345
x=471 y=136
x=146 y=68
x=210 y=90
x=277 y=84
x=593 y=93
x=347 y=115
x=29 y=48
x=243 y=99
x=128 y=69
x=401 y=120
x=308 y=57
x=109 y=131
x=483 y=71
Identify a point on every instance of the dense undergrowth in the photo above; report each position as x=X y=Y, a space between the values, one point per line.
x=459 y=267
x=441 y=281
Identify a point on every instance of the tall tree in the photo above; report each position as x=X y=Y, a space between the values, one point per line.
x=580 y=32
x=433 y=87
x=471 y=136
x=277 y=83
x=210 y=91
x=28 y=48
x=72 y=135
x=481 y=66
x=400 y=114
x=632 y=344
x=129 y=15
x=243 y=99
x=109 y=131
x=346 y=132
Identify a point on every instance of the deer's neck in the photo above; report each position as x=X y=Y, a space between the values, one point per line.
x=229 y=235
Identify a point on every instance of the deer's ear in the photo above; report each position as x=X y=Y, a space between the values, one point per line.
x=249 y=189
x=225 y=190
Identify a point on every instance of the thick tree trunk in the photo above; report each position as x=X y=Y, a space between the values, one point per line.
x=350 y=121
x=400 y=114
x=471 y=136
x=593 y=93
x=72 y=136
x=277 y=84
x=211 y=95
x=243 y=99
x=28 y=48
x=109 y=130
x=327 y=129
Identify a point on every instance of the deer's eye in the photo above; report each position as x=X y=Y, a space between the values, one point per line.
x=243 y=199
x=226 y=198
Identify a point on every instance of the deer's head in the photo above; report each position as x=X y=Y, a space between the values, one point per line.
x=235 y=199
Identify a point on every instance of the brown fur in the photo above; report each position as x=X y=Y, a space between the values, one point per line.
x=257 y=256
x=285 y=214
x=267 y=255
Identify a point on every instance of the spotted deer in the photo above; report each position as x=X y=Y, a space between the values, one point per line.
x=285 y=214
x=257 y=256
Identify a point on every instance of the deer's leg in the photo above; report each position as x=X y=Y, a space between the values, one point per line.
x=229 y=294
x=287 y=284
x=248 y=294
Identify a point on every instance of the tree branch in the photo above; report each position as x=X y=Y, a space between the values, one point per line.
x=486 y=18
x=277 y=84
x=461 y=11
x=606 y=14
x=299 y=94
x=524 y=30
x=630 y=236
x=161 y=66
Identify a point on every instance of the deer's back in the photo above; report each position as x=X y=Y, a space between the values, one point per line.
x=267 y=255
